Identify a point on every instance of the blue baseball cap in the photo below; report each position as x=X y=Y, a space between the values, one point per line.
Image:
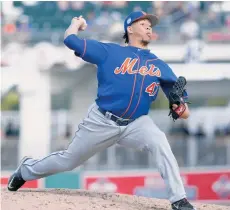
x=139 y=15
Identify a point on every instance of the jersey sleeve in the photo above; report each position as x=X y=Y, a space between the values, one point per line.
x=89 y=50
x=167 y=80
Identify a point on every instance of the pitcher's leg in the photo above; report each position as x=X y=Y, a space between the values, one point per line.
x=94 y=135
x=61 y=161
x=145 y=135
x=168 y=168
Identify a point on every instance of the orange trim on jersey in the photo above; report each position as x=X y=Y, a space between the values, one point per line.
x=134 y=84
x=141 y=90
x=84 y=48
x=138 y=98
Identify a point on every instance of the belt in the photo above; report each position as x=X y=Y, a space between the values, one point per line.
x=120 y=121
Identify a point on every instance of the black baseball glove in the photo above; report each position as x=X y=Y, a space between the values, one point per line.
x=176 y=97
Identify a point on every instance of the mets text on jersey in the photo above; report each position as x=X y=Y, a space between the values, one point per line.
x=128 y=65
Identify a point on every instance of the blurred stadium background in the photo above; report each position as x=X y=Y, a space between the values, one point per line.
x=46 y=90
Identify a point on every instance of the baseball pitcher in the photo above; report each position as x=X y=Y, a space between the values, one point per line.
x=129 y=78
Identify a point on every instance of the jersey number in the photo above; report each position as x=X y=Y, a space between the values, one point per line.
x=152 y=89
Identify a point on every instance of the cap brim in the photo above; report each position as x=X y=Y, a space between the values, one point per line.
x=152 y=18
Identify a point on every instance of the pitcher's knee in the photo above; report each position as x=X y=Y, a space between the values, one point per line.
x=162 y=143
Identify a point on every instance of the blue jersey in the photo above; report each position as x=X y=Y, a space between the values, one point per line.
x=129 y=78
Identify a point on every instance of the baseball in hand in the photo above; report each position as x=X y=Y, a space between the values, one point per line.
x=81 y=22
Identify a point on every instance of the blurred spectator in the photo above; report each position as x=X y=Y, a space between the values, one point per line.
x=119 y=4
x=137 y=8
x=212 y=20
x=23 y=24
x=116 y=16
x=163 y=19
x=192 y=8
x=63 y=5
x=177 y=11
x=77 y=5
x=108 y=3
x=53 y=17
x=158 y=4
x=190 y=31
x=90 y=18
x=103 y=19
x=193 y=51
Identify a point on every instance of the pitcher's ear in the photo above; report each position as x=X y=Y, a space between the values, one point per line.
x=130 y=29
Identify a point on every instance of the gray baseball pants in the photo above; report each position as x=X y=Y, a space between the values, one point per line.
x=97 y=133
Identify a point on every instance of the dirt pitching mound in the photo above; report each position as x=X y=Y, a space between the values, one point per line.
x=61 y=199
